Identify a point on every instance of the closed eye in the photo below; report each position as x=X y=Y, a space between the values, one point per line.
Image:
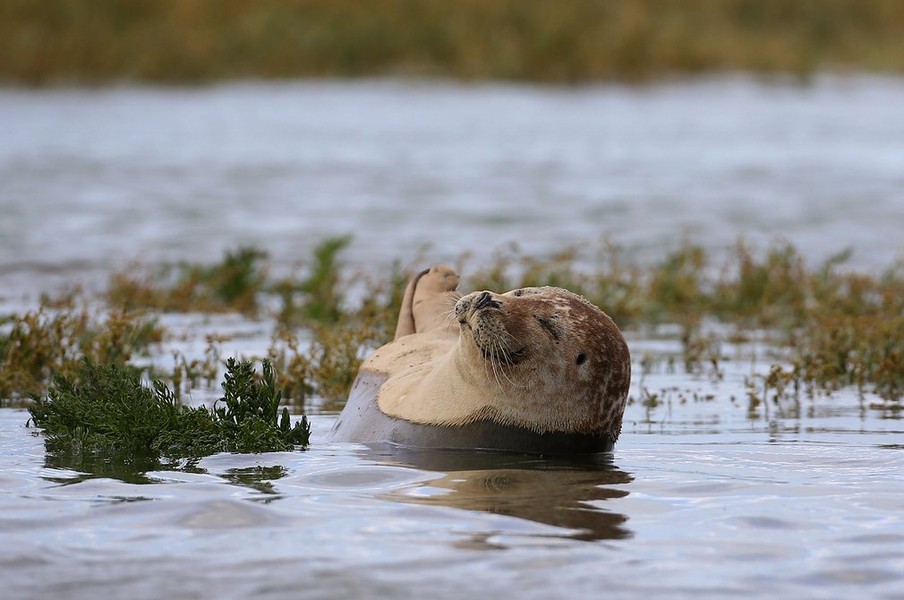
x=550 y=327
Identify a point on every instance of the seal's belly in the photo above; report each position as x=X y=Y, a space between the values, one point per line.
x=362 y=421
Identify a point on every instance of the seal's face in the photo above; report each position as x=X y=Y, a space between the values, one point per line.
x=558 y=361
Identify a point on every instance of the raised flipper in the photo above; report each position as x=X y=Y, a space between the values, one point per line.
x=428 y=301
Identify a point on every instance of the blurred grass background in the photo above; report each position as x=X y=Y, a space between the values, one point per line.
x=182 y=41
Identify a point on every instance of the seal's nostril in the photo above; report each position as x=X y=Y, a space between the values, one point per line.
x=483 y=300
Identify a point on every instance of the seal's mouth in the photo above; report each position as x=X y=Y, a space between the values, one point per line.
x=477 y=315
x=502 y=356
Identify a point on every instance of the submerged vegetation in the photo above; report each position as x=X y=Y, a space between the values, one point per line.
x=86 y=41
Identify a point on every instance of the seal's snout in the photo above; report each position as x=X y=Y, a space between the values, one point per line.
x=483 y=300
x=472 y=303
x=461 y=309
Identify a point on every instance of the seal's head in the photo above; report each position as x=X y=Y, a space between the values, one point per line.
x=557 y=363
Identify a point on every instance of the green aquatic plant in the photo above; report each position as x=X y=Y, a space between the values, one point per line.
x=769 y=292
x=318 y=297
x=48 y=341
x=327 y=364
x=336 y=355
x=673 y=289
x=676 y=286
x=852 y=334
x=324 y=360
x=839 y=350
x=617 y=285
x=236 y=284
x=293 y=365
x=191 y=372
x=232 y=285
x=106 y=410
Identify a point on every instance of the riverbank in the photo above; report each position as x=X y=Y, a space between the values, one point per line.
x=88 y=42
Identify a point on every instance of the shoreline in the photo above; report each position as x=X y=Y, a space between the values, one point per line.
x=514 y=40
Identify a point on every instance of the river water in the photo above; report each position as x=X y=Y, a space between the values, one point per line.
x=706 y=495
x=91 y=179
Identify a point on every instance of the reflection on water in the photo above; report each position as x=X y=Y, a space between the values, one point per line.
x=70 y=468
x=564 y=493
x=567 y=493
x=259 y=478
x=737 y=509
x=121 y=467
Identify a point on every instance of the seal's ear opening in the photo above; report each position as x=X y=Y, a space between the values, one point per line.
x=581 y=359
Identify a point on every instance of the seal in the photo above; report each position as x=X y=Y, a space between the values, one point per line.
x=537 y=369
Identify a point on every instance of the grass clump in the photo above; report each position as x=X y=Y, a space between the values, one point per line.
x=232 y=285
x=46 y=341
x=317 y=298
x=327 y=364
x=854 y=333
x=236 y=284
x=767 y=292
x=104 y=409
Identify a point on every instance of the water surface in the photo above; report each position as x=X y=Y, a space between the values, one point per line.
x=685 y=507
x=91 y=179
x=705 y=495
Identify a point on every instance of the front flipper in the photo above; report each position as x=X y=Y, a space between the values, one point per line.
x=428 y=301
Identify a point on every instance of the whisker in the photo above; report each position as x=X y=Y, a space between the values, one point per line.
x=496 y=375
x=449 y=317
x=509 y=335
x=497 y=370
x=506 y=361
